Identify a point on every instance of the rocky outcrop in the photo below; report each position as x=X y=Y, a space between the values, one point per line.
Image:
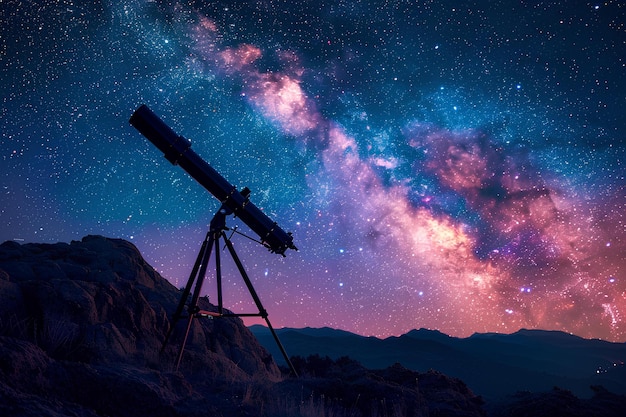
x=84 y=323
x=395 y=391
x=97 y=301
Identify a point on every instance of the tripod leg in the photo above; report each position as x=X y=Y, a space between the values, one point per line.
x=181 y=349
x=280 y=346
x=193 y=305
x=257 y=301
x=244 y=275
x=218 y=276
x=187 y=290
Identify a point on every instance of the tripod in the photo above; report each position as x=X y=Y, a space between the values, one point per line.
x=217 y=232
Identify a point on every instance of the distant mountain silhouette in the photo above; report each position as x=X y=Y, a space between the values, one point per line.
x=492 y=365
x=81 y=326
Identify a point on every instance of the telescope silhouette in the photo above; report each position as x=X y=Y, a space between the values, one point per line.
x=178 y=151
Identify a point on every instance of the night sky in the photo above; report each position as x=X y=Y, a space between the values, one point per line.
x=458 y=166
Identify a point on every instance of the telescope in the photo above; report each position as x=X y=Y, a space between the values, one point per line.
x=178 y=151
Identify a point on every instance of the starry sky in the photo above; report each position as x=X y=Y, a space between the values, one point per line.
x=458 y=166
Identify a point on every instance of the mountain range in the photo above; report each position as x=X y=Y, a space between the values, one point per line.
x=492 y=365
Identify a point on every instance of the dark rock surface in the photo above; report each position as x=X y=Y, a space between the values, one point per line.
x=81 y=327
x=394 y=391
x=97 y=301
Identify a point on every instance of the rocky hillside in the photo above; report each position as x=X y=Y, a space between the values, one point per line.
x=81 y=326
x=97 y=301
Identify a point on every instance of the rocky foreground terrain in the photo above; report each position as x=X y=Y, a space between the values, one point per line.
x=82 y=324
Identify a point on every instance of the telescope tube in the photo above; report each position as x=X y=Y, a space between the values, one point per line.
x=178 y=151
